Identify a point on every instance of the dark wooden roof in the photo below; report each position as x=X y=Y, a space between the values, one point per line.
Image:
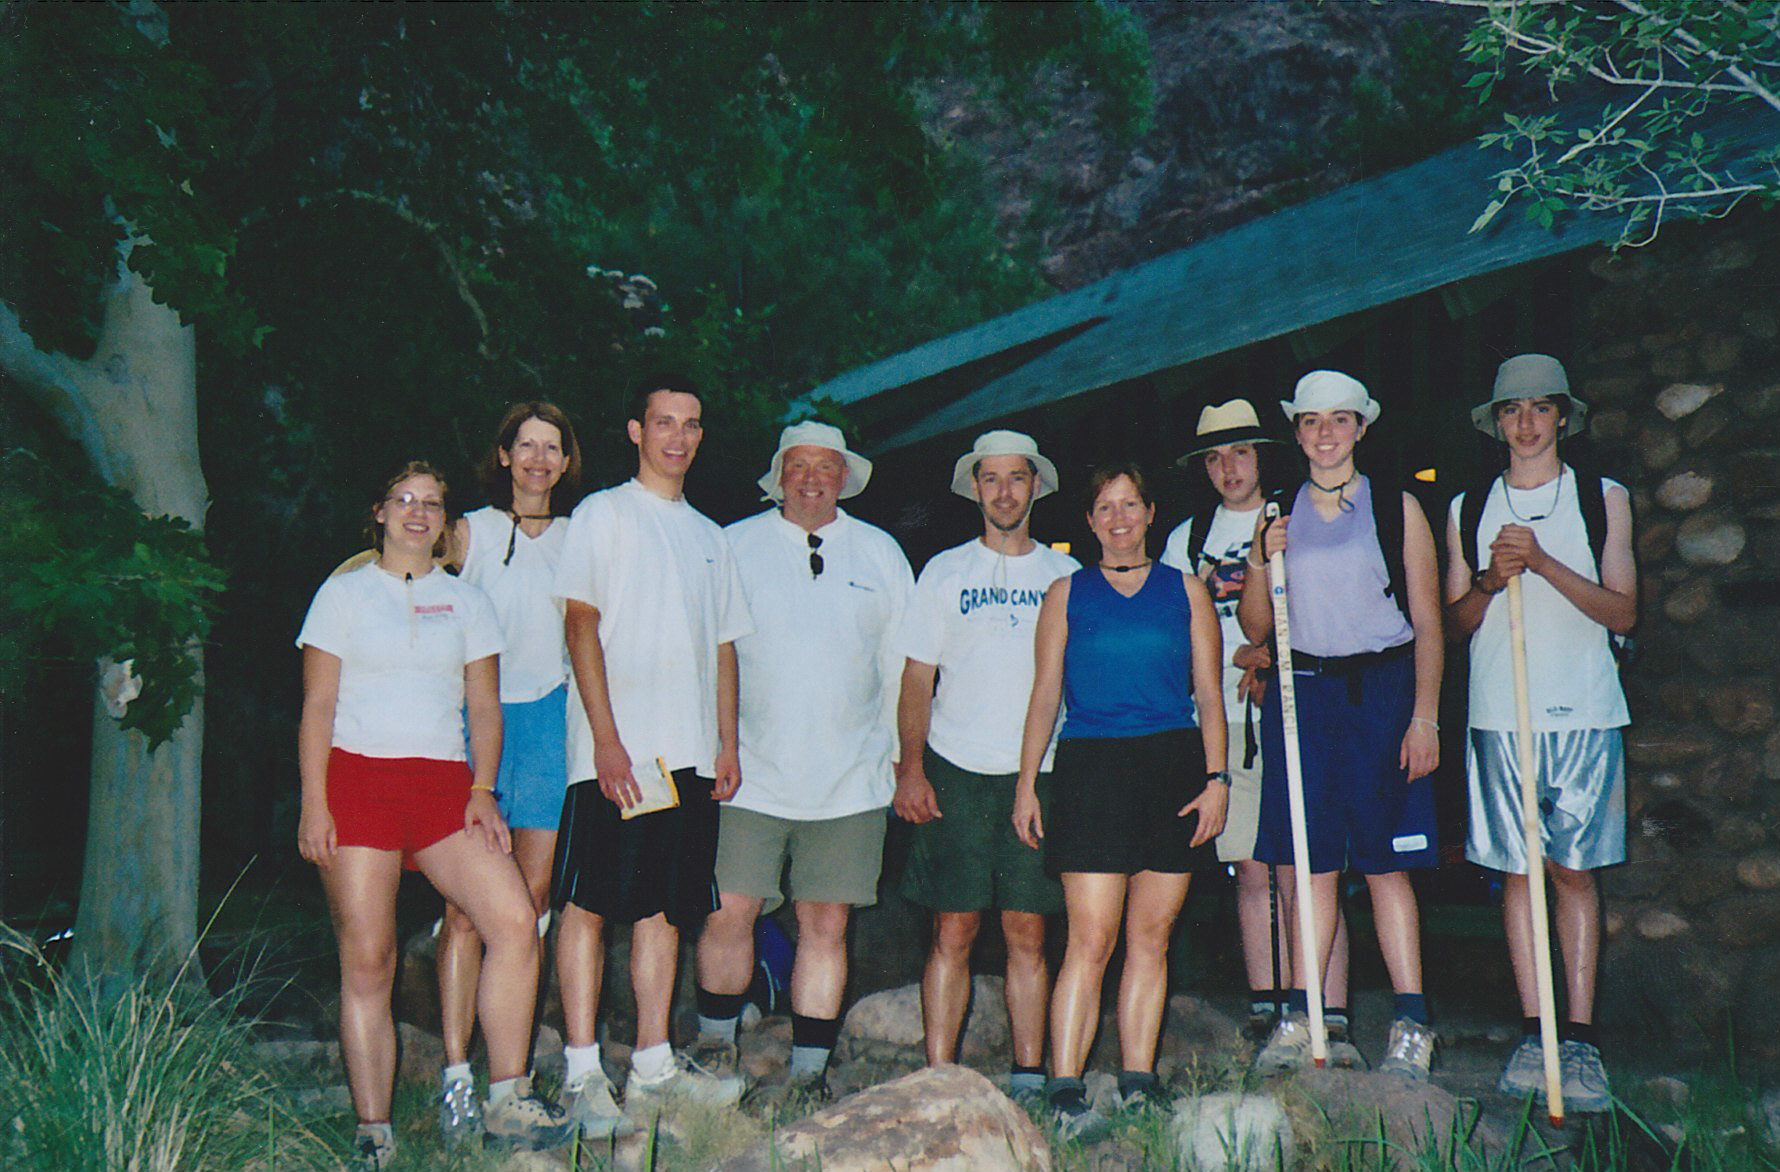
x=1366 y=245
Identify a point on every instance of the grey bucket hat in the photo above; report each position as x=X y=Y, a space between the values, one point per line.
x=1529 y=376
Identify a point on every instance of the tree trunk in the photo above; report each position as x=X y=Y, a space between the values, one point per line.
x=133 y=409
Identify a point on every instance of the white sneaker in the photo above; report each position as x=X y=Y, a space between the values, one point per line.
x=1288 y=1048
x=525 y=1120
x=1410 y=1052
x=685 y=1081
x=460 y=1114
x=1585 y=1078
x=591 y=1107
x=1524 y=1072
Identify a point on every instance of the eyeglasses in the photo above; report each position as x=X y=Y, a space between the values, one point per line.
x=815 y=558
x=411 y=500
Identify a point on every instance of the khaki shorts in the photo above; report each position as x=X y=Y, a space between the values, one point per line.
x=833 y=860
x=1237 y=843
x=969 y=858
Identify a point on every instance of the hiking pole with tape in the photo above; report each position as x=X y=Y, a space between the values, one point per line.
x=1529 y=820
x=1309 y=959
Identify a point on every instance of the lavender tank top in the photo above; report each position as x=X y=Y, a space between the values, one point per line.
x=1336 y=579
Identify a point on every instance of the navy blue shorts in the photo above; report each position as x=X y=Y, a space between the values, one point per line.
x=1361 y=811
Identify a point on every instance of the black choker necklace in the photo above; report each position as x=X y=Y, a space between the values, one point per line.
x=1126 y=569
x=1338 y=488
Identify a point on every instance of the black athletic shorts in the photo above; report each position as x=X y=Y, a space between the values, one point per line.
x=1114 y=802
x=631 y=870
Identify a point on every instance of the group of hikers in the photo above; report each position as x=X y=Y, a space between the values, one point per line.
x=615 y=710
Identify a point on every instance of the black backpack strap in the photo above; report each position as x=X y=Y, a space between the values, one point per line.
x=1470 y=517
x=1200 y=526
x=1591 y=499
x=1387 y=519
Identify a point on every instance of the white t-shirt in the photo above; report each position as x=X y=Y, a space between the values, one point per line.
x=1223 y=564
x=662 y=577
x=403 y=645
x=535 y=659
x=820 y=673
x=1572 y=680
x=974 y=615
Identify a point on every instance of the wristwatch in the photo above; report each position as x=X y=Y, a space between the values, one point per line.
x=1222 y=775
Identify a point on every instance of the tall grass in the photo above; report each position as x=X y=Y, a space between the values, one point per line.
x=157 y=1077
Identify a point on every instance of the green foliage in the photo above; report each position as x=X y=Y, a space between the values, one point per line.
x=158 y=1078
x=79 y=560
x=1422 y=110
x=1663 y=66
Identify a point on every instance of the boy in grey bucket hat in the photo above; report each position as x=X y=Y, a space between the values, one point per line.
x=1578 y=589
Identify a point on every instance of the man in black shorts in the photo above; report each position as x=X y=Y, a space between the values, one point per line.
x=971 y=623
x=653 y=607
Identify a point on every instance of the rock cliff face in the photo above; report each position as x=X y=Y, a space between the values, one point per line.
x=1258 y=105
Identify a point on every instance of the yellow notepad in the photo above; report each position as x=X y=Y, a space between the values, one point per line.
x=658 y=789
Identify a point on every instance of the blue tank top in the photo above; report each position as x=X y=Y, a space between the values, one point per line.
x=1128 y=665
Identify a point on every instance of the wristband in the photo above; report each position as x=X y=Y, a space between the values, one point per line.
x=1433 y=724
x=477 y=787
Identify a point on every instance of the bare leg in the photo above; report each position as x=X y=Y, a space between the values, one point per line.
x=488 y=887
x=1254 y=922
x=1094 y=905
x=1322 y=902
x=1399 y=929
x=459 y=961
x=819 y=974
x=654 y=963
x=1028 y=984
x=945 y=983
x=535 y=852
x=1335 y=972
x=580 y=970
x=725 y=959
x=1154 y=903
x=1579 y=934
x=361 y=890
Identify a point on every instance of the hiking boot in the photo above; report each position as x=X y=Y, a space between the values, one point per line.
x=526 y=1120
x=1260 y=1025
x=1288 y=1048
x=1075 y=1120
x=372 y=1152
x=1144 y=1094
x=1410 y=1052
x=1524 y=1072
x=1585 y=1078
x=683 y=1081
x=460 y=1115
x=719 y=1056
x=590 y=1106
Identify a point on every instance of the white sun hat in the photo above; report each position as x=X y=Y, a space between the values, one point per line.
x=812 y=433
x=1330 y=390
x=1002 y=443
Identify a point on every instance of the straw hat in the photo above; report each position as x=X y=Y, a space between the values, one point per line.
x=1234 y=422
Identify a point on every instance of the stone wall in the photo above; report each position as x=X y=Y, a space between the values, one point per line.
x=1681 y=367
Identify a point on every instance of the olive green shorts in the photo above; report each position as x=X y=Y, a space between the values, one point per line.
x=969 y=858
x=832 y=860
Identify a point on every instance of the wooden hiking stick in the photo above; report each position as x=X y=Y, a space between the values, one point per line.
x=1308 y=956
x=1529 y=821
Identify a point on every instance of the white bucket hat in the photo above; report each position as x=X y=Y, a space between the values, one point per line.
x=1234 y=422
x=1529 y=376
x=1002 y=443
x=1330 y=390
x=813 y=434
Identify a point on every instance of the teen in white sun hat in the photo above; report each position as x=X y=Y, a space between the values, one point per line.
x=1330 y=390
x=814 y=434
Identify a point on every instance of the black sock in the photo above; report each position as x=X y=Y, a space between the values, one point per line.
x=1018 y=1069
x=817 y=1032
x=1066 y=1091
x=1579 y=1031
x=719 y=1005
x=1529 y=1028
x=1262 y=1001
x=1335 y=1023
x=1137 y=1082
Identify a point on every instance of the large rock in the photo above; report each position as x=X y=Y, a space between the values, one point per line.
x=1710 y=540
x=1411 y=1115
x=1232 y=1133
x=1679 y=400
x=942 y=1119
x=893 y=1017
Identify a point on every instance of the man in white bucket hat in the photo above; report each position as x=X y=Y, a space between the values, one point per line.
x=818 y=680
x=972 y=623
x=1567 y=535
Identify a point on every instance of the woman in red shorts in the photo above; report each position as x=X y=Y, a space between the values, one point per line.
x=395 y=653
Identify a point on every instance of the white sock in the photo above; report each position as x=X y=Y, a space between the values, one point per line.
x=581 y=1061
x=497 y=1091
x=652 y=1062
x=383 y=1133
x=455 y=1071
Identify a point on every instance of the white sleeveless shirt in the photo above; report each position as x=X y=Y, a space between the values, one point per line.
x=1572 y=680
x=535 y=659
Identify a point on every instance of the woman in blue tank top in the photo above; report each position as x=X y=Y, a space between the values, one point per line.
x=1138 y=792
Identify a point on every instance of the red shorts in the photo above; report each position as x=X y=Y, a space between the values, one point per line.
x=396 y=803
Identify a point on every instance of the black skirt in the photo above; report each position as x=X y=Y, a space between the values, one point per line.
x=1114 y=803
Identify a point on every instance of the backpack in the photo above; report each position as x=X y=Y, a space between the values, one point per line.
x=1200 y=526
x=1591 y=499
x=1387 y=522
